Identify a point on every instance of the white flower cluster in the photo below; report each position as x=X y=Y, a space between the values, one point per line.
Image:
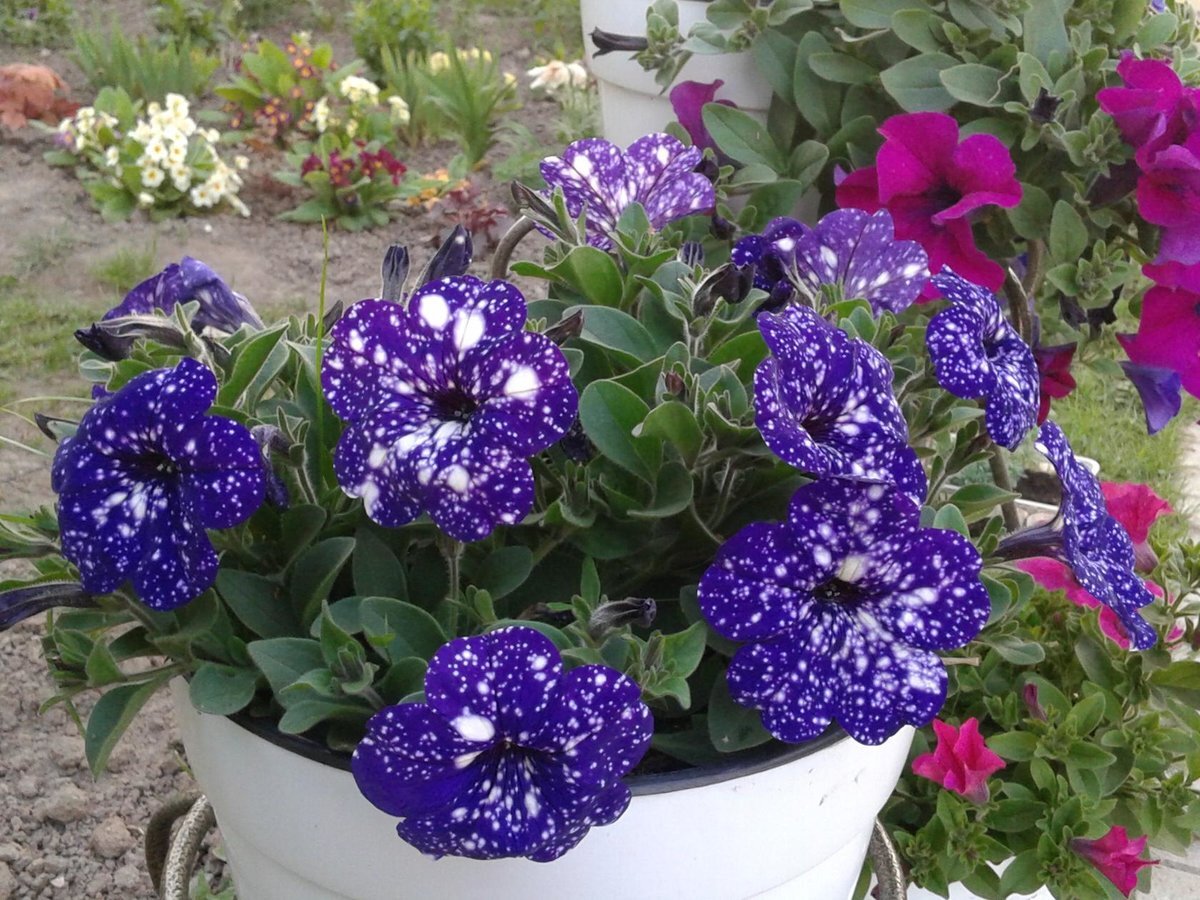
x=165 y=144
x=558 y=74
x=358 y=90
x=400 y=111
x=82 y=131
x=439 y=61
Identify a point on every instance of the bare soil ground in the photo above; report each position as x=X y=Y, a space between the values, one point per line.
x=63 y=834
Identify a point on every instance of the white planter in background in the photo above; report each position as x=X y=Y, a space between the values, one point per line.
x=631 y=103
x=298 y=829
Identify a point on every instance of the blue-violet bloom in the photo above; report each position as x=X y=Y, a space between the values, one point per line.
x=853 y=250
x=840 y=609
x=1086 y=537
x=445 y=400
x=507 y=756
x=824 y=403
x=977 y=355
x=143 y=477
x=221 y=308
x=656 y=171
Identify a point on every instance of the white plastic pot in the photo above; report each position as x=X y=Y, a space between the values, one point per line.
x=631 y=102
x=780 y=828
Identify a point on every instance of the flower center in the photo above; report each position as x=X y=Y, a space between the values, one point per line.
x=456 y=404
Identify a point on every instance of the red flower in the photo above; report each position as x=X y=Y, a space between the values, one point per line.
x=930 y=182
x=1116 y=856
x=1137 y=508
x=961 y=762
x=311 y=164
x=1054 y=370
x=1154 y=109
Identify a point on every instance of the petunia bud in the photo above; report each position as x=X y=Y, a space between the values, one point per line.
x=633 y=611
x=1044 y=107
x=610 y=42
x=23 y=602
x=105 y=344
x=576 y=444
x=271 y=439
x=674 y=383
x=691 y=254
x=728 y=282
x=721 y=228
x=528 y=199
x=395 y=273
x=331 y=316
x=1029 y=694
x=452 y=259
x=55 y=428
x=565 y=329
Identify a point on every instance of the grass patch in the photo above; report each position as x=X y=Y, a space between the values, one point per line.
x=37 y=340
x=126 y=268
x=40 y=252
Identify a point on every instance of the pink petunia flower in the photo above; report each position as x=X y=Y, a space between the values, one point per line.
x=961 y=762
x=1168 y=195
x=1117 y=856
x=1137 y=508
x=1153 y=110
x=1168 y=335
x=687 y=101
x=930 y=182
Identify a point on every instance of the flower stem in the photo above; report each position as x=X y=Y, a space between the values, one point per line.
x=451 y=552
x=1000 y=475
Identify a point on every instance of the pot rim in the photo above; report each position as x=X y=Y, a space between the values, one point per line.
x=739 y=765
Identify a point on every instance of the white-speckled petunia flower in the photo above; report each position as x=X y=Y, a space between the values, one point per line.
x=507 y=756
x=824 y=403
x=977 y=355
x=143 y=477
x=853 y=250
x=445 y=400
x=841 y=608
x=657 y=171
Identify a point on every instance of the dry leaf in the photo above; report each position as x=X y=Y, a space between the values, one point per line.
x=32 y=92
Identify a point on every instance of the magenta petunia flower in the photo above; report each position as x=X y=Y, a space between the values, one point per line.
x=1055 y=380
x=1153 y=109
x=961 y=762
x=1168 y=195
x=930 y=182
x=687 y=102
x=1168 y=335
x=1117 y=856
x=1137 y=507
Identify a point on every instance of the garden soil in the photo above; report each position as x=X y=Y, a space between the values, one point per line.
x=64 y=834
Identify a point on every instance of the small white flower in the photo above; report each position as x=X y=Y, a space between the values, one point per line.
x=145 y=200
x=152 y=176
x=212 y=136
x=357 y=89
x=178 y=153
x=156 y=150
x=112 y=157
x=321 y=114
x=401 y=114
x=438 y=62
x=241 y=162
x=351 y=128
x=579 y=75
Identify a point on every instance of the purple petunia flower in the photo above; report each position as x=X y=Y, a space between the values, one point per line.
x=220 y=308
x=978 y=355
x=856 y=251
x=507 y=756
x=823 y=402
x=687 y=102
x=841 y=608
x=1086 y=537
x=445 y=399
x=143 y=477
x=656 y=171
x=1158 y=388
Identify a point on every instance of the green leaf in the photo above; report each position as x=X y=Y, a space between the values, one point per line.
x=873 y=13
x=732 y=727
x=683 y=650
x=1022 y=876
x=609 y=414
x=742 y=136
x=841 y=68
x=302 y=715
x=593 y=273
x=1015 y=815
x=111 y=716
x=1088 y=756
x=377 y=571
x=1182 y=673
x=976 y=501
x=257 y=602
x=1156 y=30
x=617 y=330
x=285 y=660
x=248 y=361
x=1016 y=746
x=916 y=84
x=401 y=629
x=1045 y=29
x=973 y=83
x=504 y=570
x=1015 y=650
x=919 y=28
x=222 y=690
x=404 y=677
x=672 y=493
x=1031 y=217
x=1086 y=714
x=674 y=422
x=951 y=518
x=1068 y=234
x=805 y=165
x=315 y=572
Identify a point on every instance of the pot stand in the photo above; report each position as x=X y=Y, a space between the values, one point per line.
x=172 y=863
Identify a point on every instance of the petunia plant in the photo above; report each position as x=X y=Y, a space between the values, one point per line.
x=687 y=491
